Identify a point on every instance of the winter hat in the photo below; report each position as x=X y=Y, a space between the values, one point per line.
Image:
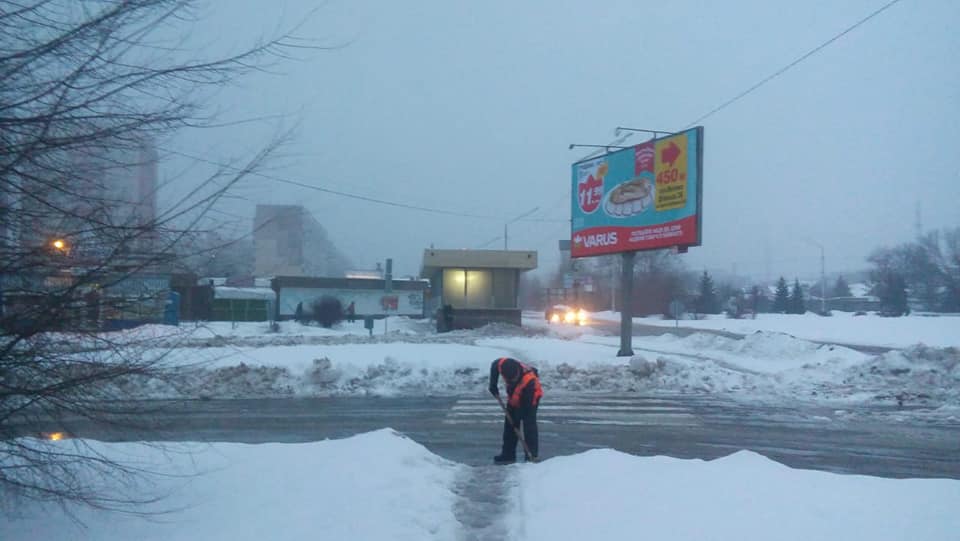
x=510 y=369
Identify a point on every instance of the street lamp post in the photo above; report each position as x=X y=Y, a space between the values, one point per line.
x=524 y=215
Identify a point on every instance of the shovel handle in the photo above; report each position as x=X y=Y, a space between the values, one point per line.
x=516 y=430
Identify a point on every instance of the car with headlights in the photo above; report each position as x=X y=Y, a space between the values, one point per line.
x=566 y=315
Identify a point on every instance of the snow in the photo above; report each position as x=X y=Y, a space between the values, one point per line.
x=381 y=485
x=207 y=332
x=224 y=292
x=225 y=360
x=605 y=494
x=860 y=289
x=841 y=328
x=250 y=360
x=378 y=485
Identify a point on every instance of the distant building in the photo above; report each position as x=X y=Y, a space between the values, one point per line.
x=288 y=241
x=70 y=192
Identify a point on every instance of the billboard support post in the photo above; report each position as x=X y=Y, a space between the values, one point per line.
x=626 y=307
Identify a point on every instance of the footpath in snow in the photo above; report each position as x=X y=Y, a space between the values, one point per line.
x=381 y=485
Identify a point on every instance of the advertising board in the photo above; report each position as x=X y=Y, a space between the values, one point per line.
x=644 y=197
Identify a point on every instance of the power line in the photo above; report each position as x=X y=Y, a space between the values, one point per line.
x=335 y=192
x=623 y=138
x=357 y=196
x=784 y=69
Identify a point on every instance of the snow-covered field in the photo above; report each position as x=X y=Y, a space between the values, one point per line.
x=381 y=485
x=248 y=360
x=841 y=327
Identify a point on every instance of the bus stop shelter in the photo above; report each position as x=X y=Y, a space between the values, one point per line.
x=472 y=288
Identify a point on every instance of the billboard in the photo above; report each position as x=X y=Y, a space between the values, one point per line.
x=643 y=197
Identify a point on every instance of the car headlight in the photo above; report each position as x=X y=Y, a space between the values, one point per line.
x=570 y=316
x=555 y=317
x=582 y=315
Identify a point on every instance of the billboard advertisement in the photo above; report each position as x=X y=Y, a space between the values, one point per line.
x=643 y=197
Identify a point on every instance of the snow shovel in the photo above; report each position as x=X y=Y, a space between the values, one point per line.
x=516 y=431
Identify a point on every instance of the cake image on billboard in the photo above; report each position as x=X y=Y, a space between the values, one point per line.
x=629 y=198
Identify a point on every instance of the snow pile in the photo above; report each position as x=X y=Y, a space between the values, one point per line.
x=415 y=361
x=919 y=373
x=379 y=485
x=605 y=494
x=764 y=352
x=763 y=366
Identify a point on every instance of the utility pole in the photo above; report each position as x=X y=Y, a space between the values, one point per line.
x=524 y=215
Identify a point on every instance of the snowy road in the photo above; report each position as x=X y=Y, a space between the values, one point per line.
x=467 y=430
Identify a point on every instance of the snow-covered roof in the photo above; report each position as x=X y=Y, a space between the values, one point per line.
x=859 y=289
x=223 y=292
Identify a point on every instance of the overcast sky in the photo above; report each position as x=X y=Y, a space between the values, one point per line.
x=470 y=107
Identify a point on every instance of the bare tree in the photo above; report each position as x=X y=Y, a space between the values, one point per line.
x=930 y=267
x=943 y=253
x=87 y=90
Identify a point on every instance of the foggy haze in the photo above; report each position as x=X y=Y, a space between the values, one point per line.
x=469 y=108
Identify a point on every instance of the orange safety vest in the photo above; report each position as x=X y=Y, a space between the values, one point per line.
x=529 y=376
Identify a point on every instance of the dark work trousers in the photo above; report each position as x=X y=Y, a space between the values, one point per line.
x=527 y=417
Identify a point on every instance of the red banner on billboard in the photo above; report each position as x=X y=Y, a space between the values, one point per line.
x=607 y=239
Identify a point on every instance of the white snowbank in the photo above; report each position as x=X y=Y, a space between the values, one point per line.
x=842 y=327
x=762 y=366
x=249 y=360
x=759 y=352
x=604 y=494
x=213 y=332
x=379 y=485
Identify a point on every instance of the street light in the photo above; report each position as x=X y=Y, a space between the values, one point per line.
x=60 y=246
x=524 y=215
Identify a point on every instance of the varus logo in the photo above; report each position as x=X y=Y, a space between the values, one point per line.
x=597 y=239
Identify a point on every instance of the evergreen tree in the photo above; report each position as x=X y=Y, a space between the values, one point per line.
x=841 y=288
x=892 y=290
x=781 y=301
x=707 y=302
x=796 y=299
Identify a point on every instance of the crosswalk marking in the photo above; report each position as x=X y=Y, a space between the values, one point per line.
x=582 y=410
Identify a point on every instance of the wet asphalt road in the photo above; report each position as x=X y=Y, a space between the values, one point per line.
x=467 y=429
